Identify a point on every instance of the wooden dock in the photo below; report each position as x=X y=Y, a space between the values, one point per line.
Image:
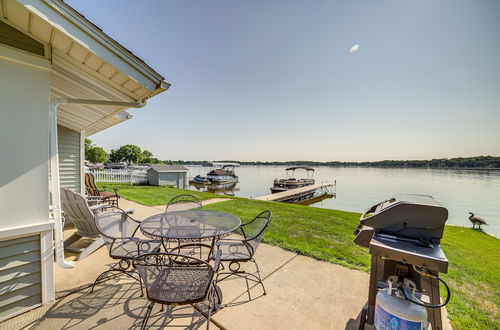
x=302 y=193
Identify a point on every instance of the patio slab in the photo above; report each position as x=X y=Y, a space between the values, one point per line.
x=302 y=293
x=116 y=304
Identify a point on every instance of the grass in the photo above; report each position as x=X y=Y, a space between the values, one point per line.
x=474 y=278
x=153 y=195
x=319 y=233
x=328 y=235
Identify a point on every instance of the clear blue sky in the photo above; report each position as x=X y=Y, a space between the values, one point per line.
x=274 y=80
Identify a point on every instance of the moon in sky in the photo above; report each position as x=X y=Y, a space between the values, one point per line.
x=354 y=49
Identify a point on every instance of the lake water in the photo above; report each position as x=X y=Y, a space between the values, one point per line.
x=460 y=191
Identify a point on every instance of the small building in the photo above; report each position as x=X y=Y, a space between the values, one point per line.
x=175 y=175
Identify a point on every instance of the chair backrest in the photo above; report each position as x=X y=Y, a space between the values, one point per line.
x=77 y=209
x=189 y=202
x=254 y=230
x=114 y=223
x=164 y=273
x=90 y=186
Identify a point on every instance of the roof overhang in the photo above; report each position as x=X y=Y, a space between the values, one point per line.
x=86 y=63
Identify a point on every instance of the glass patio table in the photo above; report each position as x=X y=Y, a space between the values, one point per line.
x=188 y=229
x=191 y=226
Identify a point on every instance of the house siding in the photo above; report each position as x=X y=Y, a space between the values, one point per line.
x=70 y=171
x=25 y=236
x=20 y=275
x=24 y=182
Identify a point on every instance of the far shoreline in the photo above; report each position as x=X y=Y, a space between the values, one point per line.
x=366 y=166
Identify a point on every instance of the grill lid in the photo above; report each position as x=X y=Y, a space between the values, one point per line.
x=408 y=215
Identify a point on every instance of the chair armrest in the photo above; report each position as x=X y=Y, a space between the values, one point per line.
x=93 y=200
x=97 y=207
x=126 y=211
x=115 y=190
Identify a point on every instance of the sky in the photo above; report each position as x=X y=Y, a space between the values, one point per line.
x=311 y=80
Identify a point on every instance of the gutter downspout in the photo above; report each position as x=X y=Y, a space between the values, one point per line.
x=54 y=166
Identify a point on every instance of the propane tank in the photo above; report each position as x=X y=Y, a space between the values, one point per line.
x=393 y=311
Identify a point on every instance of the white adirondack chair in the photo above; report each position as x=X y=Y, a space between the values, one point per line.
x=78 y=211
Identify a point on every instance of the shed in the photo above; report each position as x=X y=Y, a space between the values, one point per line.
x=175 y=175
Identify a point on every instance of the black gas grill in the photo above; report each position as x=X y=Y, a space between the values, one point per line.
x=402 y=233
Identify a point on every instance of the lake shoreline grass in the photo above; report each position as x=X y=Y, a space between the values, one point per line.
x=327 y=235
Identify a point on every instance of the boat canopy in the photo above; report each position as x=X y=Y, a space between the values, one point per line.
x=300 y=167
x=290 y=172
x=218 y=171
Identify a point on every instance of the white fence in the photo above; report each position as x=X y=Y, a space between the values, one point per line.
x=120 y=176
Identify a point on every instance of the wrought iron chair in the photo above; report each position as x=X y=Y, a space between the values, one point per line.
x=236 y=251
x=169 y=282
x=188 y=202
x=119 y=230
x=105 y=196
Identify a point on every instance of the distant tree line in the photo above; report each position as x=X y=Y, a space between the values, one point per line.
x=485 y=162
x=134 y=155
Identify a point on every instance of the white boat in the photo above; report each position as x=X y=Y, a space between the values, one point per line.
x=291 y=182
x=223 y=175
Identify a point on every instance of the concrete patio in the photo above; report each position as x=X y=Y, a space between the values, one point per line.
x=302 y=293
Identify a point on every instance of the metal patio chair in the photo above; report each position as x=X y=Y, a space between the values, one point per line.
x=236 y=251
x=77 y=210
x=189 y=202
x=118 y=229
x=169 y=283
x=105 y=196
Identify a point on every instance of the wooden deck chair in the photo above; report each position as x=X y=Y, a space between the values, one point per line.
x=77 y=209
x=106 y=196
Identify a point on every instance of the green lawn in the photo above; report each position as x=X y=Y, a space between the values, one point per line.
x=474 y=277
x=328 y=235
x=319 y=233
x=153 y=195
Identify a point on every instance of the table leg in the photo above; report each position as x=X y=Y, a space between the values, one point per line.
x=211 y=248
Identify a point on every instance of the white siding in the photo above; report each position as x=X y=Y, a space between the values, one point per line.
x=69 y=158
x=24 y=183
x=24 y=136
x=20 y=275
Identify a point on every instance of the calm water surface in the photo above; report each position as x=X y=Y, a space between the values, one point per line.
x=460 y=191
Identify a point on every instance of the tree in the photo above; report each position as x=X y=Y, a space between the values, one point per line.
x=93 y=153
x=96 y=155
x=156 y=161
x=88 y=145
x=146 y=157
x=128 y=152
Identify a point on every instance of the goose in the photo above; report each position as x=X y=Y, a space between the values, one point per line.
x=476 y=221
